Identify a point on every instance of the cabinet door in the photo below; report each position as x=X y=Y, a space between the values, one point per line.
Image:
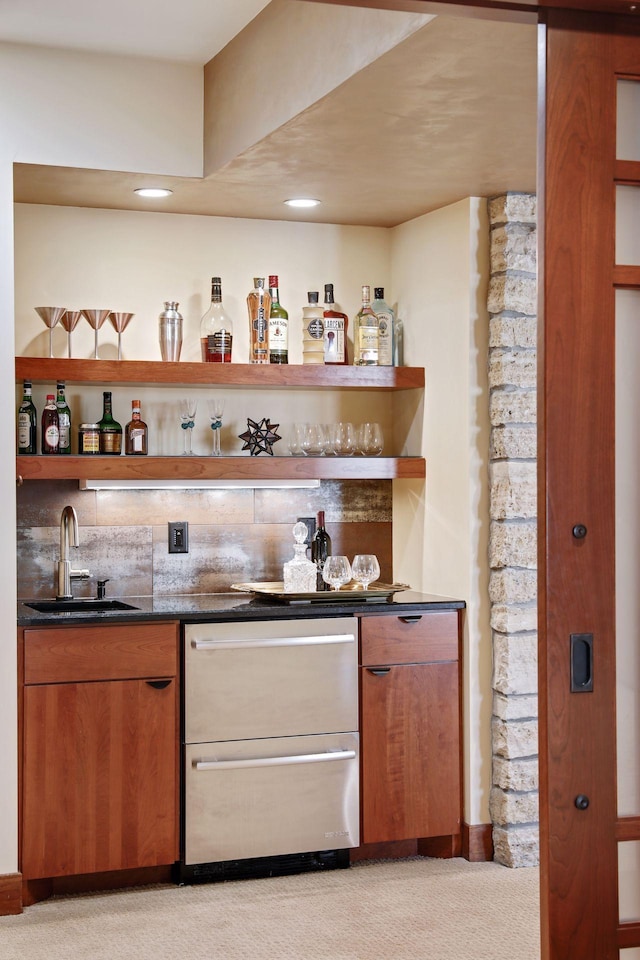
x=100 y=777
x=410 y=752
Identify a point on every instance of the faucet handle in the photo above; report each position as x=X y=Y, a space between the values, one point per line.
x=102 y=588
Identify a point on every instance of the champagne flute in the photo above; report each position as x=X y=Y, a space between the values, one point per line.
x=95 y=319
x=365 y=568
x=336 y=571
x=70 y=321
x=51 y=316
x=216 y=409
x=188 y=407
x=119 y=322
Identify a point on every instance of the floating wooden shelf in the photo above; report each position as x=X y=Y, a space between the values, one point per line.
x=218 y=468
x=312 y=376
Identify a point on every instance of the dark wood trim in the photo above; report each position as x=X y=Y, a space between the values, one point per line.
x=628 y=277
x=10 y=894
x=477 y=842
x=493 y=9
x=396 y=850
x=444 y=848
x=627 y=172
x=628 y=935
x=36 y=890
x=628 y=828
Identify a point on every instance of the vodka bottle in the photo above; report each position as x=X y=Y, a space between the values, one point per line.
x=386 y=324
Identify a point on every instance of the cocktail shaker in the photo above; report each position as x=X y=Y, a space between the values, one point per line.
x=170 y=330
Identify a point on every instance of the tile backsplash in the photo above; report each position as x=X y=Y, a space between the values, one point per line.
x=234 y=535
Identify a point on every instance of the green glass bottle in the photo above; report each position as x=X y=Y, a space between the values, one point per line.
x=27 y=422
x=64 y=419
x=110 y=429
x=278 y=326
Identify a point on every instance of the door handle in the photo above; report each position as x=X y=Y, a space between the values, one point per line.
x=158 y=684
x=294 y=759
x=581 y=662
x=379 y=671
x=410 y=619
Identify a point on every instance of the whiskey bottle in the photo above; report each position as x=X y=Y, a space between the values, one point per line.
x=312 y=330
x=50 y=441
x=335 y=329
x=278 y=326
x=259 y=306
x=110 y=429
x=27 y=422
x=216 y=328
x=64 y=419
x=386 y=324
x=365 y=333
x=135 y=433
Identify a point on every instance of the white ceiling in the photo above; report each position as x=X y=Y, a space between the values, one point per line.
x=188 y=30
x=449 y=113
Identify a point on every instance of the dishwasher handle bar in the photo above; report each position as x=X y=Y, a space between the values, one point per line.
x=272 y=642
x=273 y=761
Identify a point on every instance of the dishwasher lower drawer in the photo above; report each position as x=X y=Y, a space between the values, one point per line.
x=260 y=798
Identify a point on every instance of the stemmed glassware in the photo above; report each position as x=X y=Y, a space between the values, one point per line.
x=336 y=571
x=188 y=407
x=95 y=318
x=50 y=317
x=216 y=409
x=119 y=322
x=70 y=321
x=365 y=569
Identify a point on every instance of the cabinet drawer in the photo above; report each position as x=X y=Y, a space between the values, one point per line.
x=414 y=638
x=114 y=652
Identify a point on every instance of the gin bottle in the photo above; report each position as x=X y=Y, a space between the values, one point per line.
x=386 y=324
x=365 y=332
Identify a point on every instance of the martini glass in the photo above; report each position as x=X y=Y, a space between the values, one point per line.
x=188 y=407
x=216 y=409
x=51 y=316
x=96 y=318
x=119 y=322
x=70 y=321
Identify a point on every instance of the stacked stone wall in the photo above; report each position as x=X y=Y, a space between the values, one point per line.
x=512 y=305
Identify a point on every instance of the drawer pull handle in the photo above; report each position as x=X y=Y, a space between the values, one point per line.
x=409 y=619
x=379 y=671
x=158 y=684
x=274 y=761
x=275 y=642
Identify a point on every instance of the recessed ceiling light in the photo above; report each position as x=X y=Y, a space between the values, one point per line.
x=153 y=192
x=302 y=202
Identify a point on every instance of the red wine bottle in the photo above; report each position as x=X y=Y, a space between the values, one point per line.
x=320 y=550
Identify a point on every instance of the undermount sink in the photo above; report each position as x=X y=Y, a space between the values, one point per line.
x=75 y=606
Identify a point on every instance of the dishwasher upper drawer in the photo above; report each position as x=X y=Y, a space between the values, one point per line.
x=272 y=678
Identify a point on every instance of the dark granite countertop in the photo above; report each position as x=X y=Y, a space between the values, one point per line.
x=191 y=608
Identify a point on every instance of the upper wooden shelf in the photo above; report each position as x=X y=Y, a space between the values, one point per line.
x=219 y=374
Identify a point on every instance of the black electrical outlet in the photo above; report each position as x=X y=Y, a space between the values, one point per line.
x=179 y=536
x=310 y=524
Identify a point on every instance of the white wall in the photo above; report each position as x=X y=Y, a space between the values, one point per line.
x=440 y=271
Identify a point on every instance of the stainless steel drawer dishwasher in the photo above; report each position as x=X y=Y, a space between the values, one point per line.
x=271 y=768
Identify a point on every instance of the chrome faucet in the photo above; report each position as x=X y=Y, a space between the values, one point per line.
x=68 y=538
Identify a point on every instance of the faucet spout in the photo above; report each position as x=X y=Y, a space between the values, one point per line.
x=69 y=537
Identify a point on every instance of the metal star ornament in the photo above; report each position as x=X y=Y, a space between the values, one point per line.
x=260 y=437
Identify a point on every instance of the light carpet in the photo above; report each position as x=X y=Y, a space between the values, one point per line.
x=414 y=909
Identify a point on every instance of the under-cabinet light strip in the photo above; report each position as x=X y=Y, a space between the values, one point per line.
x=196 y=484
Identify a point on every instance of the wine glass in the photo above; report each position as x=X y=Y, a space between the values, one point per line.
x=336 y=571
x=216 y=409
x=51 y=316
x=365 y=568
x=95 y=318
x=188 y=407
x=345 y=440
x=70 y=321
x=119 y=322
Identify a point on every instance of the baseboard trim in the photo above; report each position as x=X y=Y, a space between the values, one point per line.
x=477 y=842
x=10 y=894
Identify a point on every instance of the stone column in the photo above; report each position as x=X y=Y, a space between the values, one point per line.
x=512 y=307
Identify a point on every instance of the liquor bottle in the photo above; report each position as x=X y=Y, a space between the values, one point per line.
x=320 y=550
x=64 y=419
x=299 y=574
x=216 y=328
x=278 y=326
x=110 y=429
x=312 y=330
x=386 y=321
x=259 y=306
x=50 y=427
x=135 y=433
x=365 y=333
x=335 y=329
x=27 y=422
